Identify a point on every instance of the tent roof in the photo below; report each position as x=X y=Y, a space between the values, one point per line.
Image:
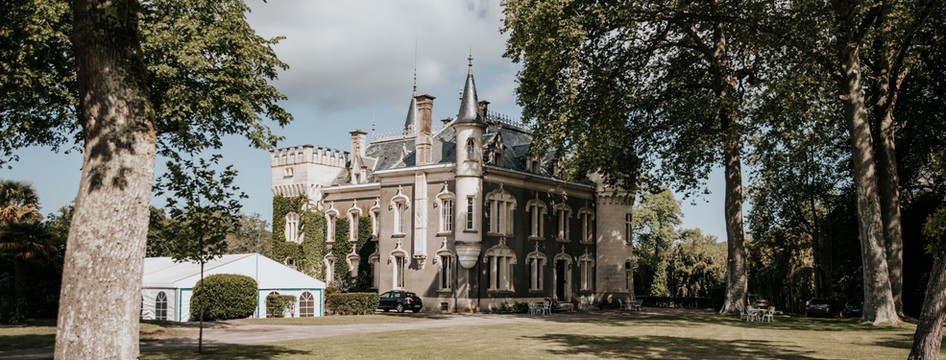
x=164 y=272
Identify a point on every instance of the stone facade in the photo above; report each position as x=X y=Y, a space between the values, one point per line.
x=463 y=215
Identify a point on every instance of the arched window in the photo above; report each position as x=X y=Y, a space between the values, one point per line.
x=270 y=310
x=502 y=207
x=537 y=262
x=445 y=200
x=400 y=204
x=446 y=260
x=563 y=213
x=306 y=305
x=292 y=227
x=500 y=260
x=587 y=217
x=536 y=210
x=471 y=149
x=329 y=262
x=290 y=262
x=354 y=214
x=330 y=215
x=161 y=306
x=586 y=264
x=399 y=262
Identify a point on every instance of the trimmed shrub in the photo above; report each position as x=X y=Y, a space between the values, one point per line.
x=223 y=297
x=351 y=303
x=278 y=305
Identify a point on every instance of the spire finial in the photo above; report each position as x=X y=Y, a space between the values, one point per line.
x=470 y=58
x=414 y=92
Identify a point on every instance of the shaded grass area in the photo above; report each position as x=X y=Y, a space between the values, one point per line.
x=604 y=335
x=43 y=333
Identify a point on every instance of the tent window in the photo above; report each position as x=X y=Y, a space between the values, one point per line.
x=161 y=306
x=306 y=305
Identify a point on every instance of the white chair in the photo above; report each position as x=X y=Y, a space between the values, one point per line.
x=546 y=308
x=750 y=313
x=636 y=304
x=621 y=305
x=533 y=308
x=769 y=314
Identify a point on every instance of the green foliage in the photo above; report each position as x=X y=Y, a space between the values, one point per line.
x=204 y=207
x=655 y=219
x=309 y=254
x=366 y=246
x=223 y=297
x=340 y=249
x=697 y=265
x=251 y=236
x=352 y=303
x=278 y=305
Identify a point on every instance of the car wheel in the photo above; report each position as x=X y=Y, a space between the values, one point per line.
x=400 y=308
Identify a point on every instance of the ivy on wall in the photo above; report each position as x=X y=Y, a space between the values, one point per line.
x=308 y=255
x=341 y=248
x=366 y=247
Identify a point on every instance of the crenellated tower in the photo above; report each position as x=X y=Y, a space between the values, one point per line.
x=615 y=259
x=304 y=170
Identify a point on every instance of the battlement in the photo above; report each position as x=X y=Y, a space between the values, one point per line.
x=308 y=154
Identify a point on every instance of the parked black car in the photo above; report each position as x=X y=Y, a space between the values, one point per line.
x=852 y=308
x=400 y=301
x=821 y=307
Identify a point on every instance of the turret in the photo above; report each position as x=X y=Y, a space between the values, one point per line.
x=470 y=127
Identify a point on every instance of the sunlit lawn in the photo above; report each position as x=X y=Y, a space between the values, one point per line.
x=703 y=336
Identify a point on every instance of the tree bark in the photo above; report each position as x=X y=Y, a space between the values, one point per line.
x=737 y=283
x=878 y=300
x=99 y=304
x=929 y=327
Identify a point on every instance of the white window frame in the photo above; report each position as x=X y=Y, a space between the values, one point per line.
x=587 y=218
x=502 y=210
x=537 y=263
x=586 y=266
x=501 y=261
x=292 y=227
x=537 y=211
x=354 y=214
x=306 y=304
x=470 y=214
x=446 y=201
x=161 y=313
x=563 y=213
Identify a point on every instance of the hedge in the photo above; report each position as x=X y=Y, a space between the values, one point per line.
x=278 y=305
x=352 y=303
x=223 y=297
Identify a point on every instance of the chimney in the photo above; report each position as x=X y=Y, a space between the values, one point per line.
x=484 y=109
x=425 y=105
x=358 y=142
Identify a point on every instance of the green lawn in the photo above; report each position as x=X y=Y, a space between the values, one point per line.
x=704 y=336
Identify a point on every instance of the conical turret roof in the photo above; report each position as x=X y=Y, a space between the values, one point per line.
x=411 y=120
x=469 y=103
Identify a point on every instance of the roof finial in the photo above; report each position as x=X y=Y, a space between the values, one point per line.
x=470 y=58
x=414 y=92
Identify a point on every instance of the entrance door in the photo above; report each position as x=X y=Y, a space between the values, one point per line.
x=560 y=279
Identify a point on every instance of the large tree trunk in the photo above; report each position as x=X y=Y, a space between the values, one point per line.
x=878 y=300
x=99 y=305
x=737 y=282
x=929 y=327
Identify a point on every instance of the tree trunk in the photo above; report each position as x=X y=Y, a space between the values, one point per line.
x=737 y=282
x=929 y=327
x=878 y=300
x=99 y=304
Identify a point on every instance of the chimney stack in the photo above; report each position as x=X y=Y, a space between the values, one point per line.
x=358 y=142
x=425 y=105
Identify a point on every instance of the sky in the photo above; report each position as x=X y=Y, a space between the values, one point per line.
x=352 y=66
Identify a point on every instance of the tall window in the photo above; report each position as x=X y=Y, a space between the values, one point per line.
x=628 y=228
x=446 y=271
x=502 y=206
x=586 y=266
x=292 y=227
x=563 y=213
x=306 y=305
x=469 y=214
x=353 y=216
x=628 y=276
x=471 y=149
x=329 y=262
x=500 y=261
x=375 y=261
x=537 y=263
x=446 y=216
x=161 y=306
x=587 y=225
x=400 y=265
x=536 y=210
x=330 y=226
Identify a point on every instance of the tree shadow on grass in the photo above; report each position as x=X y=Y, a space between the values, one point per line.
x=25 y=341
x=666 y=347
x=229 y=352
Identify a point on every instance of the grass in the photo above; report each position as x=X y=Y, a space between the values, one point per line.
x=647 y=335
x=338 y=320
x=622 y=336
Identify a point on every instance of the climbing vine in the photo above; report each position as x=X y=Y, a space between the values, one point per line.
x=341 y=248
x=366 y=247
x=308 y=255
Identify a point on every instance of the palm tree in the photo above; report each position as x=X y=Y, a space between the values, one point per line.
x=21 y=232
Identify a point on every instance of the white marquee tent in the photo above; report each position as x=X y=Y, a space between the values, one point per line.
x=167 y=285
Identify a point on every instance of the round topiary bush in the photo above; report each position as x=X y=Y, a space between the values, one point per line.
x=223 y=297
